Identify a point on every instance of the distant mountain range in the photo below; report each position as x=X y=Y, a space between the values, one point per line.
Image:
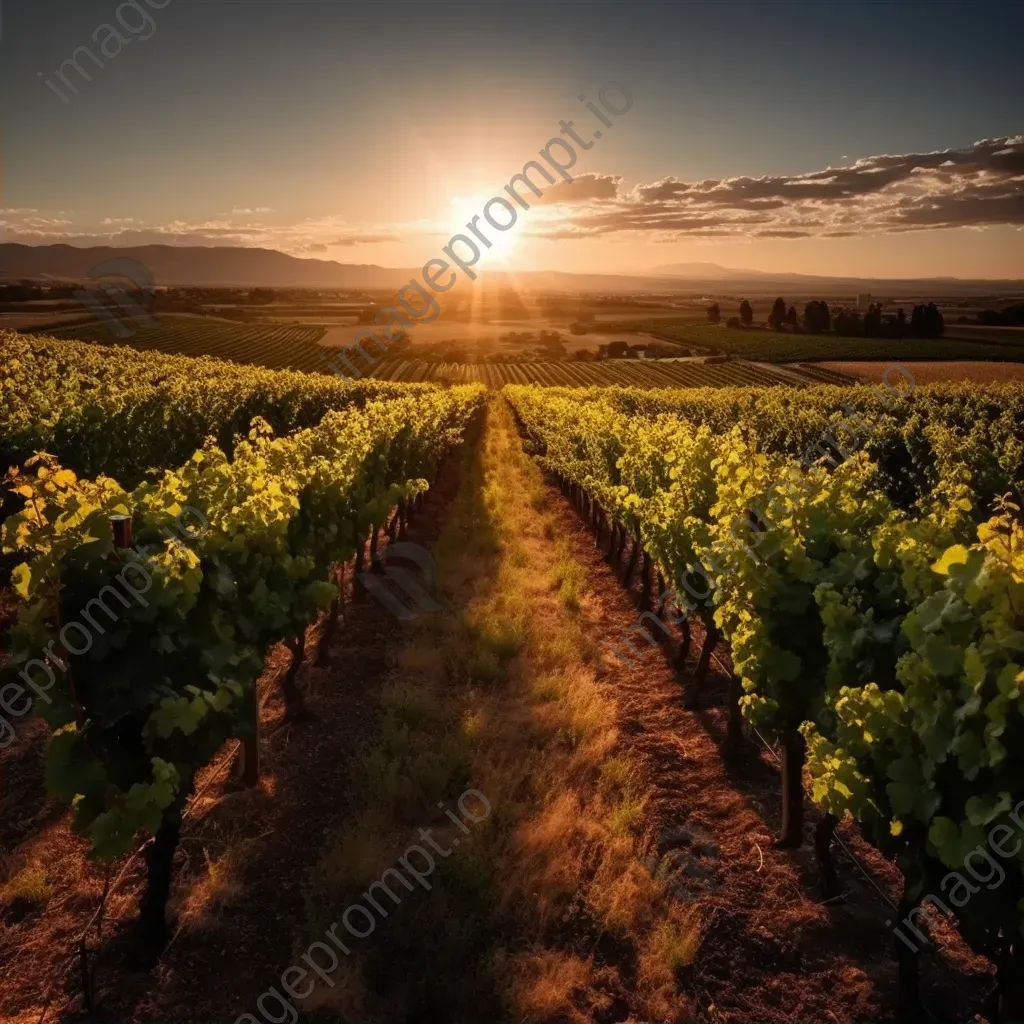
x=234 y=266
x=704 y=271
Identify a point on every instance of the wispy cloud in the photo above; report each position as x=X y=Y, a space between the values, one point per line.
x=307 y=236
x=364 y=238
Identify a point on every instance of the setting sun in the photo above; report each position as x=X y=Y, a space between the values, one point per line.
x=503 y=243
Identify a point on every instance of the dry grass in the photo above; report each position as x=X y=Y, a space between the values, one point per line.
x=31 y=884
x=548 y=984
x=500 y=692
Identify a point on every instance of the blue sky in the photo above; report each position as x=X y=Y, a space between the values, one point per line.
x=377 y=124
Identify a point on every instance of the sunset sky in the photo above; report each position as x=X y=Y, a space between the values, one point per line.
x=369 y=132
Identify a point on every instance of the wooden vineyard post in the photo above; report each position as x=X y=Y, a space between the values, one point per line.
x=357 y=586
x=684 y=645
x=121 y=528
x=792 y=792
x=909 y=998
x=613 y=537
x=159 y=857
x=289 y=685
x=734 y=723
x=251 y=745
x=645 y=575
x=337 y=607
x=88 y=990
x=710 y=643
x=621 y=546
x=374 y=560
x=823 y=833
x=627 y=577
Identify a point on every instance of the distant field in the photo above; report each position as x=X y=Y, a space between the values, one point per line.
x=931 y=373
x=992 y=335
x=276 y=347
x=660 y=373
x=604 y=315
x=296 y=347
x=478 y=339
x=785 y=348
x=42 y=321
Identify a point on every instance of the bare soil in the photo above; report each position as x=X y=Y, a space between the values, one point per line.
x=933 y=372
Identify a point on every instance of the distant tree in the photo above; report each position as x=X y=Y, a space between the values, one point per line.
x=873 y=321
x=901 y=322
x=778 y=314
x=848 y=323
x=817 y=317
x=1011 y=316
x=919 y=321
x=368 y=315
x=714 y=313
x=934 y=323
x=618 y=350
x=733 y=321
x=791 y=318
x=746 y=313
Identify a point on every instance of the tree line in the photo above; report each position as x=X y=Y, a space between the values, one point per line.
x=925 y=321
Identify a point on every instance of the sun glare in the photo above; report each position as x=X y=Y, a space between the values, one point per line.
x=503 y=243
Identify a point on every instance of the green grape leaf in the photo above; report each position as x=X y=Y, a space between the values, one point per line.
x=982 y=811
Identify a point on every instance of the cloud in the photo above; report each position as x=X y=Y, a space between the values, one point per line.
x=256 y=209
x=583 y=188
x=367 y=238
x=973 y=187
